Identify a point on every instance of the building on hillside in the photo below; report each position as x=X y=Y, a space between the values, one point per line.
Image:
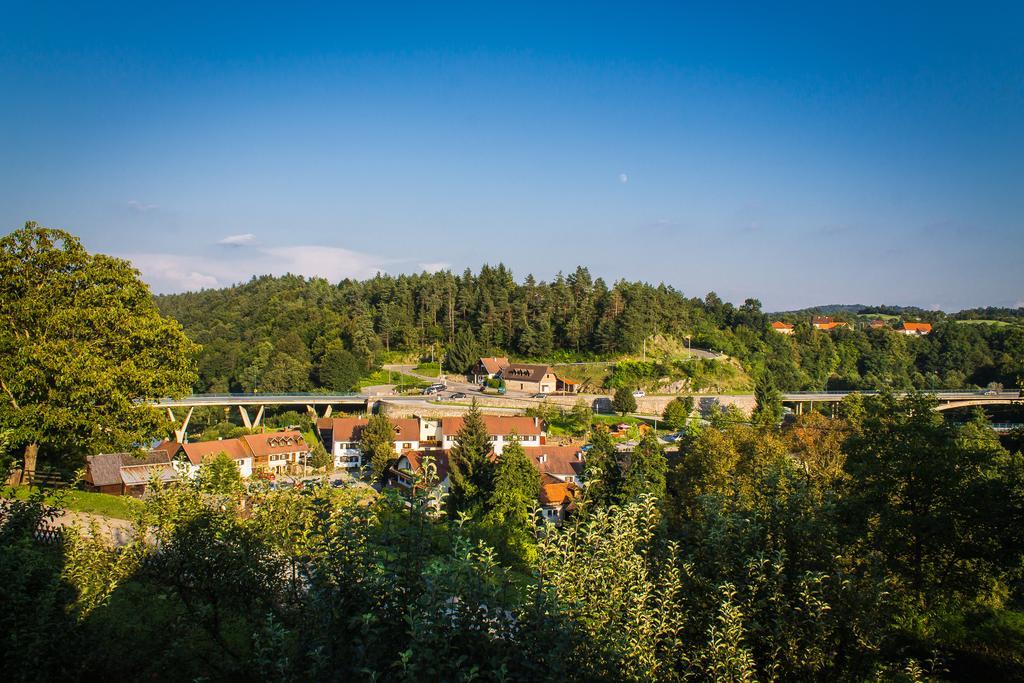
x=876 y=325
x=539 y=379
x=782 y=328
x=915 y=329
x=500 y=428
x=827 y=324
x=487 y=368
x=124 y=474
x=341 y=437
x=277 y=452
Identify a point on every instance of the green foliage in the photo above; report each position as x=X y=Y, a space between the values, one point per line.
x=677 y=412
x=471 y=468
x=623 y=401
x=463 y=353
x=768 y=410
x=645 y=475
x=340 y=369
x=81 y=345
x=602 y=473
x=510 y=517
x=220 y=475
x=376 y=442
x=319 y=458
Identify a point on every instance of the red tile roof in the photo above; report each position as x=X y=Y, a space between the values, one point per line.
x=201 y=451
x=521 y=372
x=557 y=493
x=917 y=327
x=778 y=325
x=415 y=459
x=494 y=364
x=349 y=429
x=274 y=443
x=556 y=460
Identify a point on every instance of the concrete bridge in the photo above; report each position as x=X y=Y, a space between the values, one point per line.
x=258 y=401
x=650 y=404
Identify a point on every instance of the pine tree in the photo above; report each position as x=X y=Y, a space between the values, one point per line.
x=463 y=353
x=516 y=488
x=769 y=400
x=470 y=468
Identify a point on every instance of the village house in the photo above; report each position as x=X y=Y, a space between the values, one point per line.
x=527 y=430
x=276 y=452
x=564 y=463
x=826 y=323
x=487 y=368
x=124 y=474
x=531 y=378
x=915 y=329
x=341 y=436
x=782 y=328
x=557 y=499
x=192 y=455
x=876 y=325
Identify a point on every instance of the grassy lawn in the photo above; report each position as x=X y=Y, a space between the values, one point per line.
x=428 y=368
x=997 y=323
x=104 y=504
x=396 y=378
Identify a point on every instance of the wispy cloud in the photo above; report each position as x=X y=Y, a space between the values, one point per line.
x=141 y=207
x=435 y=266
x=623 y=178
x=169 y=272
x=243 y=240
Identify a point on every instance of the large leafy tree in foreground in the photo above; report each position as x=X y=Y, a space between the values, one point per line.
x=82 y=345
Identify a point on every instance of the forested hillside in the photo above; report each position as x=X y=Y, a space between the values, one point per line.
x=292 y=334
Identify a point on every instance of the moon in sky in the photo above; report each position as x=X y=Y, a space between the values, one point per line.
x=623 y=178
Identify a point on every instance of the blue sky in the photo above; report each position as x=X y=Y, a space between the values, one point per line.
x=820 y=153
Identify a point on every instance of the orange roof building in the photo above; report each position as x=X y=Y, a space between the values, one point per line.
x=916 y=329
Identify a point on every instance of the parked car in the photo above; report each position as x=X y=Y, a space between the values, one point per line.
x=585 y=448
x=539 y=396
x=457 y=395
x=639 y=393
x=434 y=389
x=337 y=483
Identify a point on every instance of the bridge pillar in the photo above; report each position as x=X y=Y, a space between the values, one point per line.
x=259 y=417
x=179 y=432
x=245 y=417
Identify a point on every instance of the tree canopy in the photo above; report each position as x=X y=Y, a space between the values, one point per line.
x=82 y=346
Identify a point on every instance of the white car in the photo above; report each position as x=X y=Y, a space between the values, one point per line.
x=639 y=393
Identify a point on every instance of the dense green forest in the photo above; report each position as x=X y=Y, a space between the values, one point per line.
x=882 y=545
x=292 y=334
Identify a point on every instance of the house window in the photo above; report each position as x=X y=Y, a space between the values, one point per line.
x=570 y=478
x=406 y=446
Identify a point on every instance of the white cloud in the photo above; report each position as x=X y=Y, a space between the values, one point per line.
x=242 y=240
x=180 y=272
x=141 y=207
x=623 y=178
x=435 y=266
x=173 y=272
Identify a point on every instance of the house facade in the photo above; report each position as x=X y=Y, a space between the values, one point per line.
x=915 y=329
x=529 y=431
x=487 y=368
x=782 y=328
x=342 y=436
x=530 y=378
